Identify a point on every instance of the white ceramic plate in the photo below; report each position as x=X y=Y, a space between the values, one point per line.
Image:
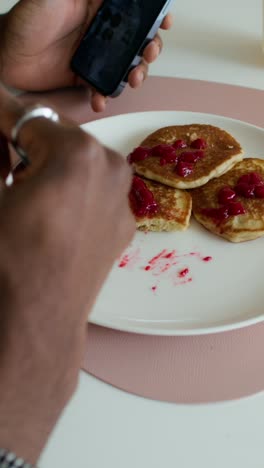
x=220 y=294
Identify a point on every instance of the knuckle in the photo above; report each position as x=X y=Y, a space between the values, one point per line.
x=123 y=171
x=84 y=156
x=86 y=152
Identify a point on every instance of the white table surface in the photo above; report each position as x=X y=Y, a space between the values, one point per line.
x=106 y=428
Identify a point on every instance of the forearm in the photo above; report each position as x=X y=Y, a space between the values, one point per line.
x=33 y=388
x=24 y=423
x=31 y=399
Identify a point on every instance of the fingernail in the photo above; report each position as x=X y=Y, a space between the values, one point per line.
x=158 y=47
x=141 y=76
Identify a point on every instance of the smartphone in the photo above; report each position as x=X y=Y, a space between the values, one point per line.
x=113 y=44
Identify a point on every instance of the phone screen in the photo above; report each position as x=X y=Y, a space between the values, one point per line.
x=113 y=39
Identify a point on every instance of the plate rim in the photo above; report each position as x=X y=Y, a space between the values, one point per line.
x=211 y=330
x=206 y=114
x=199 y=331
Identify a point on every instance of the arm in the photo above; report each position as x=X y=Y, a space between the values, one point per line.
x=51 y=269
x=30 y=403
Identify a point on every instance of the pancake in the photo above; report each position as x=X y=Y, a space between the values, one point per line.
x=214 y=207
x=222 y=151
x=169 y=209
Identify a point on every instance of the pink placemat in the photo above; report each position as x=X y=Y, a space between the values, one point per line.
x=194 y=369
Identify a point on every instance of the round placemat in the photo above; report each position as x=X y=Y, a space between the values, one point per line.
x=197 y=369
x=194 y=369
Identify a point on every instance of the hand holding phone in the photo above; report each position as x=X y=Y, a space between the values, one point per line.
x=114 y=42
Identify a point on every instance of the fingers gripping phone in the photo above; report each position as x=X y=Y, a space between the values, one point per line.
x=115 y=40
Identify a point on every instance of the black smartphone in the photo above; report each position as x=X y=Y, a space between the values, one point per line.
x=114 y=42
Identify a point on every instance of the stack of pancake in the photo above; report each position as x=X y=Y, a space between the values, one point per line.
x=192 y=169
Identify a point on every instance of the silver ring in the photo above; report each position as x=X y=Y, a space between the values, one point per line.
x=30 y=114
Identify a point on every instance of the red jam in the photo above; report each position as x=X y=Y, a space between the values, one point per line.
x=224 y=212
x=162 y=150
x=168 y=158
x=191 y=156
x=184 y=169
x=235 y=209
x=250 y=186
x=199 y=144
x=141 y=199
x=245 y=190
x=259 y=191
x=167 y=154
x=217 y=214
x=230 y=207
x=179 y=144
x=226 y=195
x=252 y=178
x=5 y=157
x=139 y=154
x=124 y=262
x=184 y=273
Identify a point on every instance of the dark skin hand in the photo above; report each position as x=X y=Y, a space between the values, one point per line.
x=38 y=42
x=55 y=257
x=55 y=218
